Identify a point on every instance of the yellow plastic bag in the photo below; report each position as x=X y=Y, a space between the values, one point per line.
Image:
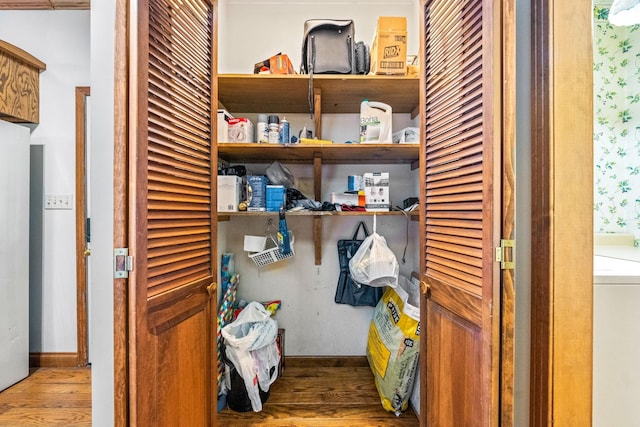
x=393 y=345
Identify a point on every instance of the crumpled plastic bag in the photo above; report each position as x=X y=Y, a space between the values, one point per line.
x=278 y=174
x=295 y=199
x=250 y=342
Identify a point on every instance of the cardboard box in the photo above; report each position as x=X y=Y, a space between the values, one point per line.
x=389 y=46
x=376 y=191
x=351 y=199
x=257 y=193
x=223 y=125
x=276 y=197
x=277 y=64
x=280 y=64
x=241 y=130
x=229 y=193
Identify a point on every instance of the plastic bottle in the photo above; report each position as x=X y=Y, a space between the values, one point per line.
x=262 y=129
x=375 y=122
x=274 y=129
x=284 y=131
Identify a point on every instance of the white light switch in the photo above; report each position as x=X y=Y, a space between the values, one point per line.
x=60 y=201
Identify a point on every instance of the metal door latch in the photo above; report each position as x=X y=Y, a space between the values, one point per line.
x=504 y=254
x=122 y=263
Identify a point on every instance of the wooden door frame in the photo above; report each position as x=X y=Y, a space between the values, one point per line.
x=562 y=213
x=120 y=214
x=82 y=92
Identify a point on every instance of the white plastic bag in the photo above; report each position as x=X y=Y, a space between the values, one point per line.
x=251 y=346
x=374 y=264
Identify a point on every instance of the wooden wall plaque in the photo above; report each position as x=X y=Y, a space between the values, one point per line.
x=19 y=85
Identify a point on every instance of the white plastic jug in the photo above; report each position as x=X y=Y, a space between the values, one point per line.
x=375 y=123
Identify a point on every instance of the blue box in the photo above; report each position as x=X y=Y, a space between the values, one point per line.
x=257 y=193
x=276 y=197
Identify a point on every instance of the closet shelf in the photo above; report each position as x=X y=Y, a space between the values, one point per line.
x=329 y=153
x=341 y=93
x=224 y=216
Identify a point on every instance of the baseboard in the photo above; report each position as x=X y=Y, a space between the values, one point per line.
x=326 y=361
x=53 y=360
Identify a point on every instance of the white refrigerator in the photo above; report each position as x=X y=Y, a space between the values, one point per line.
x=14 y=253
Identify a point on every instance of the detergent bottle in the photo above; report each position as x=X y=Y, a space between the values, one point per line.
x=375 y=122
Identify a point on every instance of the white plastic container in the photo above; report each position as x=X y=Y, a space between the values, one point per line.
x=375 y=123
x=254 y=243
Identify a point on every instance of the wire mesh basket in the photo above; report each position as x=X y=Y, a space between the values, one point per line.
x=272 y=252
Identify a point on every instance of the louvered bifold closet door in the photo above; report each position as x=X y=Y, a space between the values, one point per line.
x=454 y=147
x=172 y=165
x=179 y=159
x=461 y=106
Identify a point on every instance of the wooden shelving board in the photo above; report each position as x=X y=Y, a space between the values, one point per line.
x=227 y=215
x=329 y=153
x=257 y=93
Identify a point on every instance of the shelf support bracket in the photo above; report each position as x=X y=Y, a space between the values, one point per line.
x=317 y=220
x=317 y=112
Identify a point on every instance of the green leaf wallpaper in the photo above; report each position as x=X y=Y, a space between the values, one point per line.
x=616 y=80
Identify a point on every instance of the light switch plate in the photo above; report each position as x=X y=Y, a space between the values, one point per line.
x=58 y=201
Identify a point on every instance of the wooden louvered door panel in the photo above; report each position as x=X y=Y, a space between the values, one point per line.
x=172 y=236
x=461 y=218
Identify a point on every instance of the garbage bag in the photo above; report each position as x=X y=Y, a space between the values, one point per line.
x=393 y=344
x=236 y=396
x=250 y=345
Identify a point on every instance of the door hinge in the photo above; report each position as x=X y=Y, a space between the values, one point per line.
x=504 y=254
x=122 y=263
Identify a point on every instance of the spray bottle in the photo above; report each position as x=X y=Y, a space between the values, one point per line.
x=284 y=240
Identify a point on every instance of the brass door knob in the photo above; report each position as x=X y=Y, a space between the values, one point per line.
x=426 y=289
x=211 y=289
x=87 y=252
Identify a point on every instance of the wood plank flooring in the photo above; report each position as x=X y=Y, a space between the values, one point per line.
x=48 y=397
x=320 y=396
x=306 y=395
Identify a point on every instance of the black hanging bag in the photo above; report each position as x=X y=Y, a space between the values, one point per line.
x=348 y=291
x=328 y=47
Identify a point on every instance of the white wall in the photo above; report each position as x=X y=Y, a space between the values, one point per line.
x=101 y=186
x=61 y=40
x=253 y=30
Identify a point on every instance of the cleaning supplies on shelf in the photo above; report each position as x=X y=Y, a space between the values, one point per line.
x=375 y=122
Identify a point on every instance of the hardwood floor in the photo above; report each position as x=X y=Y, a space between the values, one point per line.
x=48 y=397
x=319 y=396
x=308 y=394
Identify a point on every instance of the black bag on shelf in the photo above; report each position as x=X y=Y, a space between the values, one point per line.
x=328 y=47
x=348 y=291
x=363 y=58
